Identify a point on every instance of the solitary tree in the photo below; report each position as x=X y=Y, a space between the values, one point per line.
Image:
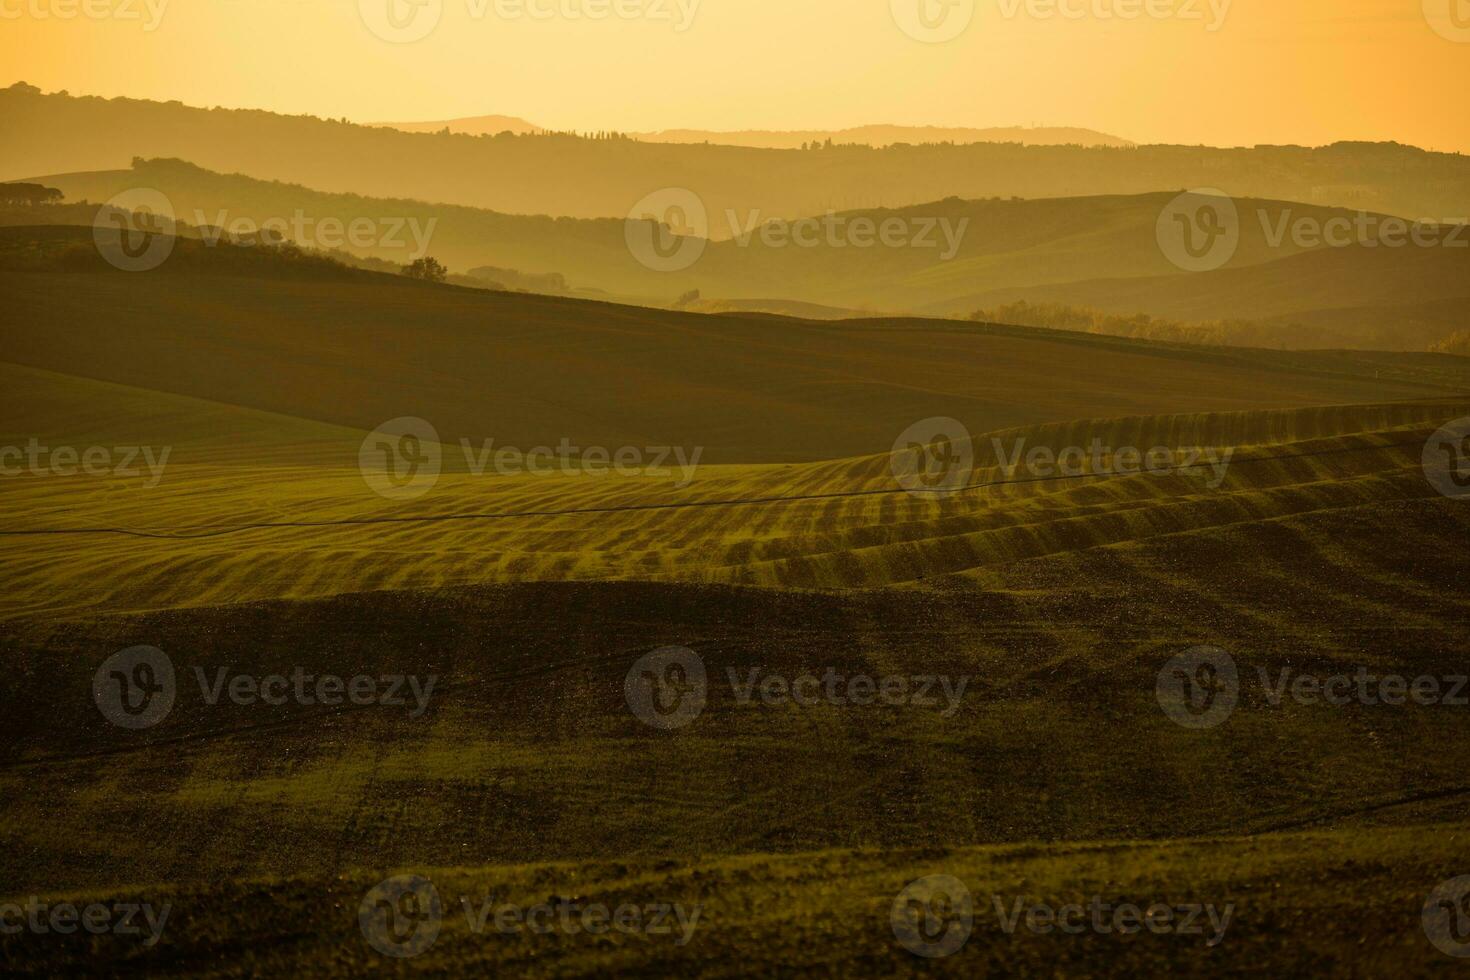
x=427 y=268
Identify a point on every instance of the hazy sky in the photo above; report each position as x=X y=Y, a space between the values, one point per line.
x=1241 y=72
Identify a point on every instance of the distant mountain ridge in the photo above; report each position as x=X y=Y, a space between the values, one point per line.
x=571 y=176
x=887 y=135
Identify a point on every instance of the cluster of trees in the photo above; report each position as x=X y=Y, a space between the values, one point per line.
x=1232 y=333
x=1456 y=343
x=28 y=194
x=72 y=249
x=1280 y=334
x=513 y=280
x=427 y=269
x=594 y=135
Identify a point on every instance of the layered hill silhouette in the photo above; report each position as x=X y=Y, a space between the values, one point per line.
x=565 y=175
x=1099 y=252
x=1361 y=295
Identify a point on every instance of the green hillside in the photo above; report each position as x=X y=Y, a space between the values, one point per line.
x=1045 y=609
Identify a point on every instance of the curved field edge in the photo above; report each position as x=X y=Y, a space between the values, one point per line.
x=1344 y=900
x=213 y=535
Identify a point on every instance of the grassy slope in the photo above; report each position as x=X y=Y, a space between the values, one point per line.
x=746 y=388
x=279 y=470
x=1303 y=903
x=1325 y=548
x=529 y=753
x=1061 y=599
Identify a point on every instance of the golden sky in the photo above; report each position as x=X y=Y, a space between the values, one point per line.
x=1237 y=72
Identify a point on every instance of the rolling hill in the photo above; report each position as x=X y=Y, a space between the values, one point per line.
x=618 y=375
x=564 y=175
x=1058 y=776
x=461 y=547
x=792 y=549
x=1306 y=926
x=1097 y=252
x=1308 y=283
